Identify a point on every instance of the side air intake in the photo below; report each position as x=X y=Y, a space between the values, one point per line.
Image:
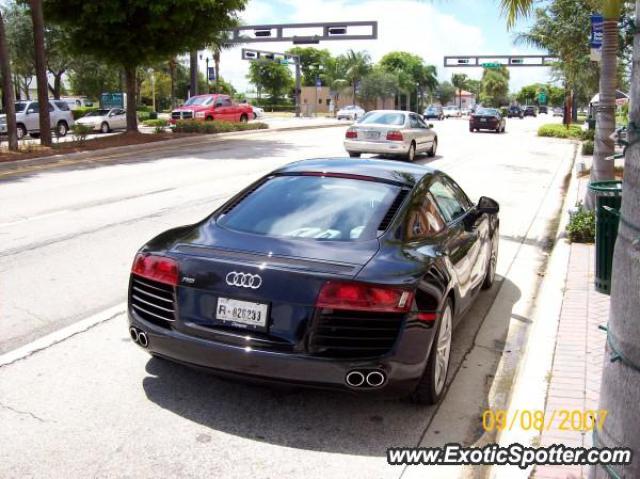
x=393 y=209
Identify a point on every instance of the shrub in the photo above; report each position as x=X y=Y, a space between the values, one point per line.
x=81 y=131
x=194 y=126
x=555 y=130
x=80 y=112
x=156 y=123
x=588 y=135
x=159 y=129
x=143 y=115
x=587 y=147
x=153 y=115
x=582 y=226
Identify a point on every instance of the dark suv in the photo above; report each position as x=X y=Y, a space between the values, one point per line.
x=515 y=112
x=530 y=111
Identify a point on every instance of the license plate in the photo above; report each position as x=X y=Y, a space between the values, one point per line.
x=483 y=120
x=242 y=314
x=372 y=135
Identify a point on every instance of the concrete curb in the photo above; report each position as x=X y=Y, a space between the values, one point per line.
x=531 y=382
x=14 y=167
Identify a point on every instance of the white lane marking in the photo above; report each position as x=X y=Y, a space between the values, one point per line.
x=62 y=334
x=36 y=217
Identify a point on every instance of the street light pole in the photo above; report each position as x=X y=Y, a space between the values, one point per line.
x=208 y=90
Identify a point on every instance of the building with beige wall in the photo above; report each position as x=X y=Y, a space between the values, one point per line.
x=318 y=100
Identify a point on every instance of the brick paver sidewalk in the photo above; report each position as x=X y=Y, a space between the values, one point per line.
x=577 y=363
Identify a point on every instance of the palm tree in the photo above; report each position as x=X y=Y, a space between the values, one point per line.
x=357 y=65
x=459 y=81
x=426 y=77
x=37 y=17
x=8 y=97
x=620 y=386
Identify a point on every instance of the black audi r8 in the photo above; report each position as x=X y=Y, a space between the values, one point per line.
x=332 y=273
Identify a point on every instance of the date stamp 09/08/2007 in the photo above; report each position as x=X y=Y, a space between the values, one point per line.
x=561 y=419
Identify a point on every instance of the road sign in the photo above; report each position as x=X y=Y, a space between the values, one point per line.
x=490 y=65
x=542 y=98
x=211 y=74
x=595 y=41
x=318 y=83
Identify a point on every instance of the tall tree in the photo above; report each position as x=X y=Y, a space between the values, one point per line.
x=495 y=86
x=274 y=78
x=193 y=72
x=357 y=65
x=620 y=388
x=37 y=17
x=412 y=73
x=8 y=98
x=379 y=84
x=459 y=81
x=445 y=92
x=131 y=34
x=601 y=168
x=19 y=32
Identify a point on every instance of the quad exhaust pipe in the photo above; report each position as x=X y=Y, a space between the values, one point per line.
x=366 y=378
x=139 y=337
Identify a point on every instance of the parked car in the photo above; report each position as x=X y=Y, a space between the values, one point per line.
x=354 y=283
x=515 y=112
x=350 y=112
x=28 y=119
x=75 y=102
x=452 y=111
x=391 y=132
x=212 y=107
x=543 y=109
x=487 y=119
x=465 y=111
x=433 y=111
x=530 y=111
x=257 y=112
x=105 y=120
x=558 y=111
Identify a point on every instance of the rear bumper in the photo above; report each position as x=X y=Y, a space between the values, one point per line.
x=381 y=148
x=402 y=370
x=483 y=125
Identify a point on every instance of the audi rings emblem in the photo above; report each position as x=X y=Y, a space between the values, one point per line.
x=244 y=280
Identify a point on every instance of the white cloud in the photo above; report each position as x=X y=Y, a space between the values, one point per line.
x=414 y=26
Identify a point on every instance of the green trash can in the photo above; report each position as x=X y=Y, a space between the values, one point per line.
x=608 y=201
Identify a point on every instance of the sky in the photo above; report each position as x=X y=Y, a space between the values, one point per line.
x=428 y=28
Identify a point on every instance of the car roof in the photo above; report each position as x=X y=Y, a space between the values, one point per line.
x=385 y=170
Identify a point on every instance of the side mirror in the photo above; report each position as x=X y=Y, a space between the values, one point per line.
x=30 y=110
x=488 y=205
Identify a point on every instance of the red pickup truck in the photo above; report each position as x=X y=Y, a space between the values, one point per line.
x=212 y=107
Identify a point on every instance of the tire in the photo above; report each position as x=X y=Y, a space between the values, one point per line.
x=62 y=129
x=35 y=134
x=471 y=130
x=209 y=118
x=21 y=131
x=354 y=154
x=244 y=118
x=434 y=147
x=490 y=274
x=104 y=128
x=432 y=384
x=411 y=154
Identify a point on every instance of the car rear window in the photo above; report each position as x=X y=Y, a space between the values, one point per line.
x=313 y=207
x=384 y=118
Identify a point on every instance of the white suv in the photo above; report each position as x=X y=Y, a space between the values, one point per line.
x=28 y=118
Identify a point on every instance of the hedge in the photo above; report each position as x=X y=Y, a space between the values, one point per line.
x=195 y=126
x=556 y=130
x=582 y=226
x=80 y=112
x=155 y=123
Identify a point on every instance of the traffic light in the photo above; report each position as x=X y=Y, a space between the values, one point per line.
x=517 y=61
x=463 y=61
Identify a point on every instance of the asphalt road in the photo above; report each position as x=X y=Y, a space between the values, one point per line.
x=96 y=405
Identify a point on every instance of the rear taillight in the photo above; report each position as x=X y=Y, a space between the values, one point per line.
x=157 y=268
x=394 y=135
x=351 y=134
x=364 y=297
x=427 y=317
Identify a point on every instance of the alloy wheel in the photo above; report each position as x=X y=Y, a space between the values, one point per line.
x=443 y=351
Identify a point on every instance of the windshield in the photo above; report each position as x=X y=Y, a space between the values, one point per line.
x=98 y=113
x=199 y=100
x=20 y=107
x=487 y=111
x=314 y=207
x=383 y=118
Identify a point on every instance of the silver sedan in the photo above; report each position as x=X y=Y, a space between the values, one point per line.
x=391 y=132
